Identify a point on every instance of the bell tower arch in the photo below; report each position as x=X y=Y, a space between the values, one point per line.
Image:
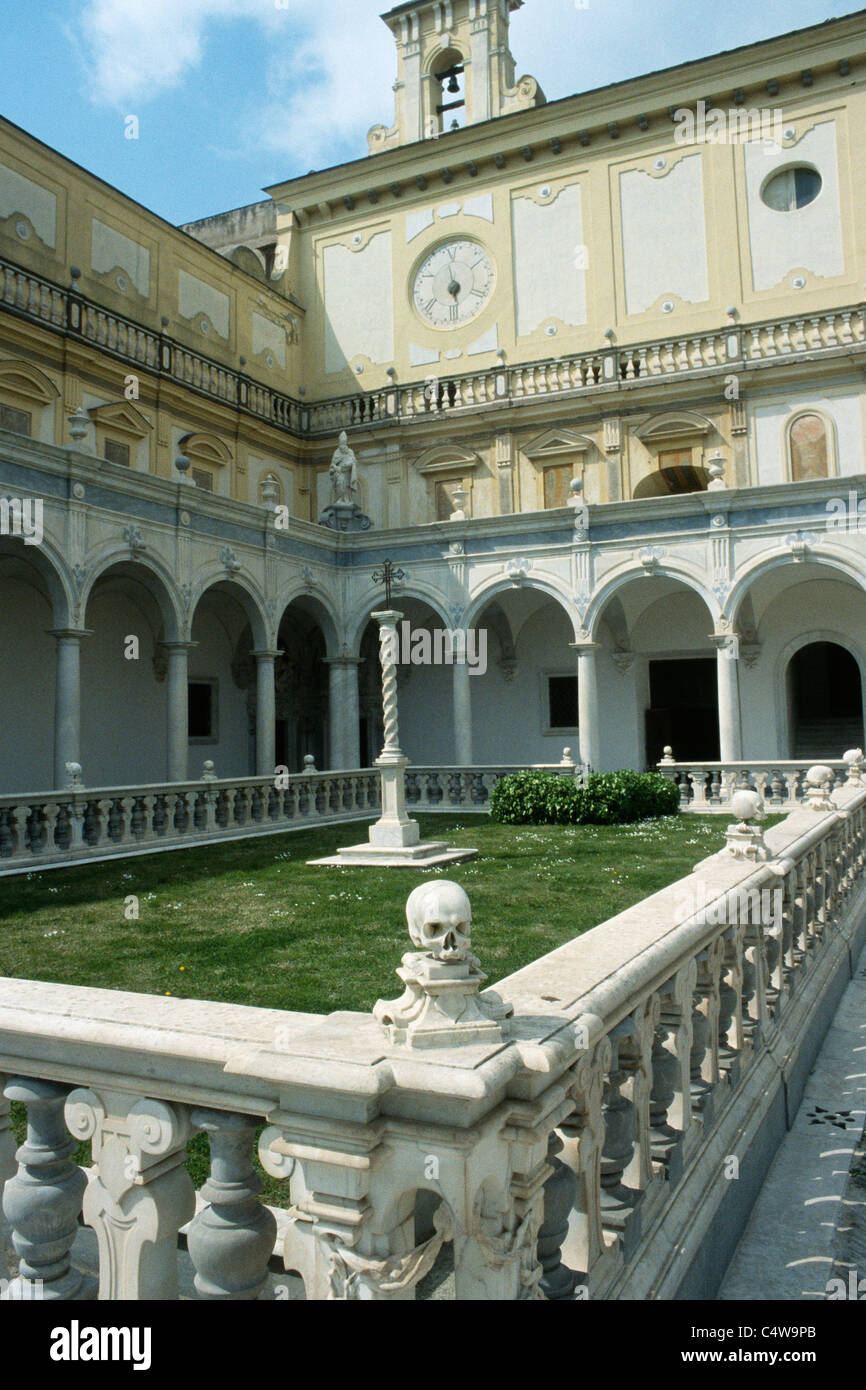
x=454 y=68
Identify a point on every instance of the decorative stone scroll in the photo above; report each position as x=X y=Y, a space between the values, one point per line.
x=352 y=1275
x=441 y=1006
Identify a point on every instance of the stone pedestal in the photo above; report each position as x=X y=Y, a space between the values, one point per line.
x=395 y=840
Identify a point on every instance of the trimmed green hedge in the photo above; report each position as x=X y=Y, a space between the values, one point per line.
x=606 y=798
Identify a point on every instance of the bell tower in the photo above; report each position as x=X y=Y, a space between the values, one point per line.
x=454 y=68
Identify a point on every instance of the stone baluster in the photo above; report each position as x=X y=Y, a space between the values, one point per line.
x=8 y=1166
x=43 y=1201
x=142 y=1194
x=704 y=1038
x=755 y=979
x=635 y=1055
x=232 y=1239
x=676 y=1015
x=560 y=1190
x=665 y=1141
x=582 y=1133
x=730 y=1029
x=619 y=1203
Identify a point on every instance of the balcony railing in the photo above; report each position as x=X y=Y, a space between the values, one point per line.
x=67 y=311
x=782 y=785
x=43 y=829
x=560 y=1136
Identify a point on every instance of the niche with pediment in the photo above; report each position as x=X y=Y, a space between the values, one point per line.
x=557 y=457
x=27 y=399
x=123 y=434
x=445 y=469
x=670 y=454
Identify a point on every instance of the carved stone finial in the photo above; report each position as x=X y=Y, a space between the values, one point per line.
x=74 y=777
x=441 y=1006
x=668 y=755
x=819 y=783
x=309 y=763
x=856 y=767
x=208 y=772
x=744 y=840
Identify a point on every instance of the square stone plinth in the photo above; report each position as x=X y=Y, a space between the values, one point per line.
x=429 y=855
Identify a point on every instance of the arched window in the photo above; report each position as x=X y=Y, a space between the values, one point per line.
x=809 y=448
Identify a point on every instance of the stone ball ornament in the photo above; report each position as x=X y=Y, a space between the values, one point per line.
x=747 y=805
x=440 y=920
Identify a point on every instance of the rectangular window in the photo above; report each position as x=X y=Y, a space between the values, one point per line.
x=16 y=421
x=203 y=711
x=561 y=704
x=117 y=453
x=203 y=479
x=556 y=485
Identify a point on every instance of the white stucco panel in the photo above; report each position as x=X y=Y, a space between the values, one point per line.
x=111 y=250
x=809 y=238
x=195 y=297
x=359 y=303
x=664 y=236
x=269 y=337
x=38 y=204
x=549 y=273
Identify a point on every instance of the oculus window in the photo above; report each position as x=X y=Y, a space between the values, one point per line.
x=792 y=189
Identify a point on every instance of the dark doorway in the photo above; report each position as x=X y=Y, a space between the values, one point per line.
x=684 y=710
x=825 y=702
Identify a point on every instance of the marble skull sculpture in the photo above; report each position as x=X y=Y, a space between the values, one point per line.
x=440 y=920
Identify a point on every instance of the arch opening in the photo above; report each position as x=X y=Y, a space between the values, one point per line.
x=824 y=690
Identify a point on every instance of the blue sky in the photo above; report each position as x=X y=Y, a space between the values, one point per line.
x=232 y=95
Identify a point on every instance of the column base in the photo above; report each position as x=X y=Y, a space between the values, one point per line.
x=428 y=855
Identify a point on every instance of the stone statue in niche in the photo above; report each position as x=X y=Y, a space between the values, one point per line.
x=344 y=473
x=344 y=513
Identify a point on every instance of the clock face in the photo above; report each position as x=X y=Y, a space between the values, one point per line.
x=453 y=284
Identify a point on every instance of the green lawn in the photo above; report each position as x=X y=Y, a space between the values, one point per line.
x=250 y=923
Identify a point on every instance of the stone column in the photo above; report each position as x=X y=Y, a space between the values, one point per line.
x=67 y=702
x=462 y=714
x=394 y=829
x=730 y=728
x=587 y=699
x=266 y=712
x=178 y=710
x=345 y=712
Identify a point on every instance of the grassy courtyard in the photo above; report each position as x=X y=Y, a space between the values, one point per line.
x=250 y=923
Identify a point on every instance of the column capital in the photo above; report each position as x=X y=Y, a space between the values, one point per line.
x=343 y=660
x=69 y=634
x=389 y=617
x=586 y=648
x=266 y=653
x=179 y=646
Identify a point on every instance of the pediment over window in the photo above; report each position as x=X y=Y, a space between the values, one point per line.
x=121 y=416
x=206 y=448
x=447 y=458
x=556 y=443
x=674 y=426
x=20 y=379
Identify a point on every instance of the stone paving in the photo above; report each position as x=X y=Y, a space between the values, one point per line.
x=810 y=1217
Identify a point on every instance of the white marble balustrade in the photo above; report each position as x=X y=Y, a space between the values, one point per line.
x=567 y=1141
x=708 y=786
